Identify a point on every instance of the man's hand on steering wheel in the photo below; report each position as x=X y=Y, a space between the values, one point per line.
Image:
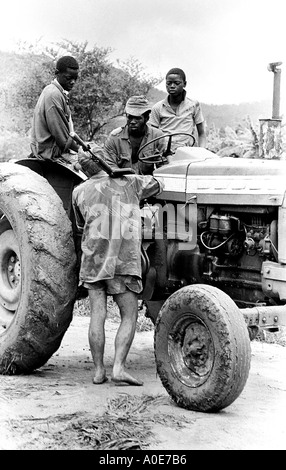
x=161 y=159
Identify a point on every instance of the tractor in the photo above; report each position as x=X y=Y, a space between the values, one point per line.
x=213 y=267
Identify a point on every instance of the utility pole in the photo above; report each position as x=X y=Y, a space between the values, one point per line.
x=270 y=129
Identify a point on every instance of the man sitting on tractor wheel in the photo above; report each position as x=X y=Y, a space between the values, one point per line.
x=52 y=121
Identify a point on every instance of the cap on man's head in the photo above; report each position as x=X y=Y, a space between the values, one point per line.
x=137 y=105
x=176 y=71
x=66 y=62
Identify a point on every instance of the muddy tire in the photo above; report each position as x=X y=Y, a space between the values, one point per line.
x=202 y=348
x=37 y=270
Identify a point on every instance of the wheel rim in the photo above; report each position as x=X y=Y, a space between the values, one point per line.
x=10 y=275
x=191 y=350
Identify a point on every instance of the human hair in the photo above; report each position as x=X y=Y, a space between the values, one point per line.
x=176 y=71
x=66 y=62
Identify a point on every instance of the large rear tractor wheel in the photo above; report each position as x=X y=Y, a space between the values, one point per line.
x=37 y=270
x=202 y=348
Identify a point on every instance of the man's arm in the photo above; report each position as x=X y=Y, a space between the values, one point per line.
x=59 y=127
x=154 y=119
x=111 y=152
x=200 y=125
x=161 y=143
x=202 y=135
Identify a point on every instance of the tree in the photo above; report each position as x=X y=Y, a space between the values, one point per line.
x=100 y=93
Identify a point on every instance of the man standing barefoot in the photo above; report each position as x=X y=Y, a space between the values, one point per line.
x=108 y=216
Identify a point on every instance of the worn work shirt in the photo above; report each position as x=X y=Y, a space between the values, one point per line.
x=118 y=149
x=107 y=213
x=52 y=123
x=187 y=115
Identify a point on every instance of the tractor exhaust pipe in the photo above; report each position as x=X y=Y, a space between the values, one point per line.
x=276 y=88
x=270 y=129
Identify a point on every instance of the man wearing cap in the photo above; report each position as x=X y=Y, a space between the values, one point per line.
x=123 y=143
x=52 y=122
x=178 y=113
x=108 y=216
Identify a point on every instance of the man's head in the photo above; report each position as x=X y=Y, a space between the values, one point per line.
x=175 y=81
x=137 y=111
x=86 y=164
x=67 y=72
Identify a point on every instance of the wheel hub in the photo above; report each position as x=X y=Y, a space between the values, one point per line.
x=10 y=277
x=14 y=271
x=196 y=349
x=191 y=350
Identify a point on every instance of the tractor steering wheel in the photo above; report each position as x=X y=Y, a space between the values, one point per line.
x=159 y=158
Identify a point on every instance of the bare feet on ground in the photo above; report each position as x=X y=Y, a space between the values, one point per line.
x=124 y=377
x=100 y=377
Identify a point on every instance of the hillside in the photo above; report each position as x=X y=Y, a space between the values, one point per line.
x=231 y=114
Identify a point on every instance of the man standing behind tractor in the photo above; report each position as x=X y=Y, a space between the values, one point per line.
x=108 y=216
x=123 y=143
x=177 y=113
x=52 y=122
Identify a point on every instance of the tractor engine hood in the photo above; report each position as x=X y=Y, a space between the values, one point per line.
x=198 y=175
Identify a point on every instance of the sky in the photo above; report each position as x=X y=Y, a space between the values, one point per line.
x=224 y=46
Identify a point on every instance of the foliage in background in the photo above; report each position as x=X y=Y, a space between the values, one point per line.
x=99 y=95
x=243 y=141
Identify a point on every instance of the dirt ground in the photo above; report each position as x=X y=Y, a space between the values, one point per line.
x=58 y=407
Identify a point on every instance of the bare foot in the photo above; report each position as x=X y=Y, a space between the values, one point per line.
x=100 y=378
x=124 y=377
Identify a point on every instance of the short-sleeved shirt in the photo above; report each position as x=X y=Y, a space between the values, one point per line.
x=107 y=212
x=185 y=119
x=118 y=149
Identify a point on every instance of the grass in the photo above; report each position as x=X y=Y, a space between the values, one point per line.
x=126 y=424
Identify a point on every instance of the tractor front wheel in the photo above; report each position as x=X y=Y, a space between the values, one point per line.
x=202 y=348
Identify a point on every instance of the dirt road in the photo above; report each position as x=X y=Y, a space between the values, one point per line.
x=58 y=407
